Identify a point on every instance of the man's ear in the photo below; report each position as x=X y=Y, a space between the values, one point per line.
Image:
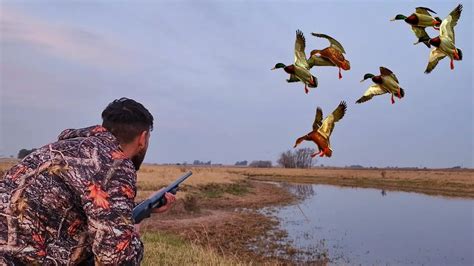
x=142 y=139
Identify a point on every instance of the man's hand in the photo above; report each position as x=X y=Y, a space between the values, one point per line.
x=170 y=199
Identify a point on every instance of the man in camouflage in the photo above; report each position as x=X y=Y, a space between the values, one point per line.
x=72 y=199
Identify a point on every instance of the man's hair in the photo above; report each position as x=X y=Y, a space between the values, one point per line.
x=126 y=119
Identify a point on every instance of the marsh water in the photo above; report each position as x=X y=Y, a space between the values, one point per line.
x=375 y=227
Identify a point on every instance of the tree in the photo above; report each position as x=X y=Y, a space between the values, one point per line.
x=303 y=158
x=24 y=152
x=242 y=163
x=287 y=159
x=300 y=158
x=261 y=164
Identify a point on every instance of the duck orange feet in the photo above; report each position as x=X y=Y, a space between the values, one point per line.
x=315 y=154
x=340 y=75
x=393 y=101
x=451 y=64
x=399 y=94
x=324 y=152
x=306 y=89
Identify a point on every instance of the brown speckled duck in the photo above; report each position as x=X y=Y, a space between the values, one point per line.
x=322 y=130
x=334 y=53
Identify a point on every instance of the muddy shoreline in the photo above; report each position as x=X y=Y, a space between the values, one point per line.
x=233 y=226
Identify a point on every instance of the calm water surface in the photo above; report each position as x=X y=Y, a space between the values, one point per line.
x=374 y=227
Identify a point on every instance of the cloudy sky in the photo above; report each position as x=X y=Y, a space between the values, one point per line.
x=203 y=69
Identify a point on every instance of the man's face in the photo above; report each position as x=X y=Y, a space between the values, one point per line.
x=138 y=158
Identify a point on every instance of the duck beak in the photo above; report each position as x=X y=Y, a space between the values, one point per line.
x=393 y=19
x=362 y=80
x=273 y=68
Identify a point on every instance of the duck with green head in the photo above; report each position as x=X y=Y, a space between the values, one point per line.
x=419 y=21
x=299 y=71
x=444 y=44
x=386 y=82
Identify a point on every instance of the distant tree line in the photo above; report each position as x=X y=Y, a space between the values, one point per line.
x=197 y=162
x=242 y=163
x=24 y=152
x=300 y=158
x=261 y=164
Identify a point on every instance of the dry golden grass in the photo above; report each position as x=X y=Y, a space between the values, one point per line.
x=446 y=182
x=154 y=177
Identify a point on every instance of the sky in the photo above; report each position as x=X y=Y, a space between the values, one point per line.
x=202 y=68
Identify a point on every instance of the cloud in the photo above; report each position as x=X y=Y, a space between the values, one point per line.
x=65 y=42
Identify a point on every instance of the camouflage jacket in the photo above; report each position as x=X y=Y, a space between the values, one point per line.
x=68 y=199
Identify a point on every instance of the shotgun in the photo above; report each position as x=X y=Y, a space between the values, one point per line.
x=145 y=208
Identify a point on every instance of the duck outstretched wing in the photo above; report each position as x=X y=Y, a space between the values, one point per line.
x=334 y=43
x=387 y=72
x=300 y=46
x=424 y=11
x=318 y=119
x=435 y=56
x=420 y=32
x=328 y=123
x=371 y=92
x=446 y=28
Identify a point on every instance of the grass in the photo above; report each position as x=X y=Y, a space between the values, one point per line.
x=214 y=190
x=168 y=249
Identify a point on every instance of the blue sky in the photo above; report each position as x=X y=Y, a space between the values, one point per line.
x=203 y=69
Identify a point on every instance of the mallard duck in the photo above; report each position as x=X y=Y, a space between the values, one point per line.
x=299 y=71
x=386 y=82
x=419 y=21
x=334 y=53
x=445 y=44
x=322 y=130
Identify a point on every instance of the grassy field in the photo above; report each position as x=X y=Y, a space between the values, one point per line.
x=177 y=238
x=442 y=182
x=168 y=249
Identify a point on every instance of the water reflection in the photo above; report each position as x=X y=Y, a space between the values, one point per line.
x=353 y=226
x=302 y=191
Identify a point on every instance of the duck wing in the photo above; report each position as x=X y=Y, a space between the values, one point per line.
x=435 y=56
x=446 y=29
x=328 y=124
x=424 y=11
x=300 y=45
x=372 y=91
x=420 y=32
x=387 y=72
x=293 y=78
x=316 y=60
x=334 y=43
x=318 y=118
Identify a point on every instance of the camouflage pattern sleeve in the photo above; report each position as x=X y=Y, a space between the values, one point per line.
x=108 y=202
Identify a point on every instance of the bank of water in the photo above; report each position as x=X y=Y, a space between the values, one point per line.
x=376 y=227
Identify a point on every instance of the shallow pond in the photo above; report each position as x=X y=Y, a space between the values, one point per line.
x=375 y=227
